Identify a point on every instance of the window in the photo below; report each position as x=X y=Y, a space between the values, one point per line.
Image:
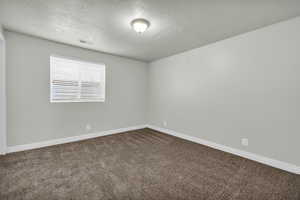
x=76 y=81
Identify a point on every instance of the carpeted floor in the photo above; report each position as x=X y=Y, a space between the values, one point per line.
x=138 y=165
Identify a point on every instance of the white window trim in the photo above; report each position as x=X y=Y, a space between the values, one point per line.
x=79 y=100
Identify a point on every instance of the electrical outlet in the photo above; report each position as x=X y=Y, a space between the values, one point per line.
x=245 y=142
x=165 y=124
x=88 y=127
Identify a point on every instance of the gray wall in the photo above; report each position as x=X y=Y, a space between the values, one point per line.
x=32 y=118
x=2 y=94
x=243 y=87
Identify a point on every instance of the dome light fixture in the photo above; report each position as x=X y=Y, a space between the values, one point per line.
x=140 y=25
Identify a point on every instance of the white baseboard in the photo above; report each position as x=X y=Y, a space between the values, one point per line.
x=2 y=151
x=24 y=147
x=262 y=159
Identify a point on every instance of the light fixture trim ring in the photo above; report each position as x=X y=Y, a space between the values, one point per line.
x=141 y=21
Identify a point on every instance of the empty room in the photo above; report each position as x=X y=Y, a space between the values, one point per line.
x=149 y=100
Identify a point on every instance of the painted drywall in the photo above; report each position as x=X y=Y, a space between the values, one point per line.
x=2 y=94
x=32 y=118
x=243 y=87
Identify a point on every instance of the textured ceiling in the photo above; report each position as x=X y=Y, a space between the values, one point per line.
x=176 y=25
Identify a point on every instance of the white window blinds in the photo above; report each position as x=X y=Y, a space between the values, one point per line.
x=76 y=81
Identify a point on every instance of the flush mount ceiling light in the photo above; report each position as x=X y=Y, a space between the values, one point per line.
x=140 y=25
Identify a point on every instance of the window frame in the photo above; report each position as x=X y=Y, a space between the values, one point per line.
x=78 y=100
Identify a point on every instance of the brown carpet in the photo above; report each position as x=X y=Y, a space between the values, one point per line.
x=138 y=165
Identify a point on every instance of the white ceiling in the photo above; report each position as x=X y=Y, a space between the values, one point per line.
x=176 y=25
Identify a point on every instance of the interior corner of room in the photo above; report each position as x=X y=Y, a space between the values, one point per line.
x=242 y=87
x=238 y=94
x=3 y=132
